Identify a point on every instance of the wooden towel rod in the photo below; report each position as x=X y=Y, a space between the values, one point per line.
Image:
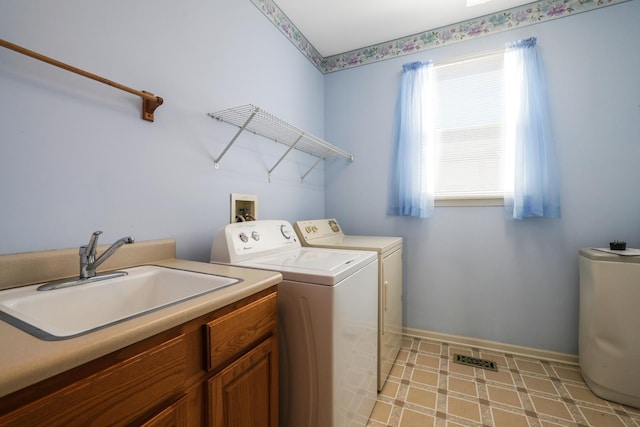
x=149 y=101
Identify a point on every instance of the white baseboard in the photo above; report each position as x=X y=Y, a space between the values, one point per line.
x=495 y=346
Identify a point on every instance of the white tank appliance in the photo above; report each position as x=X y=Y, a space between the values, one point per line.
x=609 y=344
x=327 y=308
x=327 y=233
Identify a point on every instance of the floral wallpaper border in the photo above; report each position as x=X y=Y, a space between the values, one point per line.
x=532 y=13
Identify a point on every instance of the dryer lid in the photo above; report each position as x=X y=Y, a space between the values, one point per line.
x=326 y=233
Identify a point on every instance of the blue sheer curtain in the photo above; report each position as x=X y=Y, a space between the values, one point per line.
x=411 y=192
x=530 y=157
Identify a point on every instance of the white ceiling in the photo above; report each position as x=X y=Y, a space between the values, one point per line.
x=338 y=26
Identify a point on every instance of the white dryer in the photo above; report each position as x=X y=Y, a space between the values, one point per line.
x=327 y=308
x=326 y=233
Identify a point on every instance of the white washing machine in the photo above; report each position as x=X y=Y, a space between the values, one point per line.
x=327 y=309
x=326 y=233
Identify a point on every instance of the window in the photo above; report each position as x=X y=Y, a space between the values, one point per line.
x=468 y=130
x=476 y=129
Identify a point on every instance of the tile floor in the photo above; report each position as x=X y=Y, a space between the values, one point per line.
x=425 y=388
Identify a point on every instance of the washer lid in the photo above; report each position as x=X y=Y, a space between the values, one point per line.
x=313 y=265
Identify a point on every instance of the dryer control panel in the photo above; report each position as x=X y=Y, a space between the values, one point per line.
x=313 y=230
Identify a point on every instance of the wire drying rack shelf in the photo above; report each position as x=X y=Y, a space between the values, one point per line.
x=255 y=119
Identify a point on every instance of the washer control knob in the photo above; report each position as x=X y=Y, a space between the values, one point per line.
x=255 y=235
x=285 y=232
x=314 y=228
x=244 y=237
x=308 y=229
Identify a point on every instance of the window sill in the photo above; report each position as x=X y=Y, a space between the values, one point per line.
x=469 y=201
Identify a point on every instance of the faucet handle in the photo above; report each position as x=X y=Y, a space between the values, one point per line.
x=93 y=243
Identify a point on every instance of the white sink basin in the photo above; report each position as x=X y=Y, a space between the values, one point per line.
x=70 y=311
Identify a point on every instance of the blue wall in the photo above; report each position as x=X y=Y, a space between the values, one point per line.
x=468 y=271
x=76 y=157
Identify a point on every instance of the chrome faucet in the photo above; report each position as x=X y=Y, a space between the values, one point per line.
x=88 y=261
x=89 y=264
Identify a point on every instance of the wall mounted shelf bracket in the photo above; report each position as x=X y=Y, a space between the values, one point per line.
x=216 y=162
x=256 y=120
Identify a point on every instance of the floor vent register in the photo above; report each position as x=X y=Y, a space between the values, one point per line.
x=475 y=362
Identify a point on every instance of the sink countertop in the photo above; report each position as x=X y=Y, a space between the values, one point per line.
x=26 y=360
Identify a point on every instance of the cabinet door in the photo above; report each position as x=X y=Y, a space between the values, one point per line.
x=173 y=416
x=245 y=393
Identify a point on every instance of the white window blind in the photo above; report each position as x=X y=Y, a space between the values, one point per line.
x=468 y=127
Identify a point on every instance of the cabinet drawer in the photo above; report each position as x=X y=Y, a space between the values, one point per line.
x=236 y=332
x=118 y=395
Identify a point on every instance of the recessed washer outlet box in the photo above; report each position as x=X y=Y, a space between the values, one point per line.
x=244 y=207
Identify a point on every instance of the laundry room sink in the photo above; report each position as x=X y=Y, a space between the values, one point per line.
x=69 y=311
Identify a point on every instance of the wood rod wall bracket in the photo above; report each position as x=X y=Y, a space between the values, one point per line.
x=149 y=101
x=149 y=105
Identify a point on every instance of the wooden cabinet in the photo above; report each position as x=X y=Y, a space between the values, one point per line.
x=173 y=416
x=220 y=369
x=244 y=393
x=234 y=333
